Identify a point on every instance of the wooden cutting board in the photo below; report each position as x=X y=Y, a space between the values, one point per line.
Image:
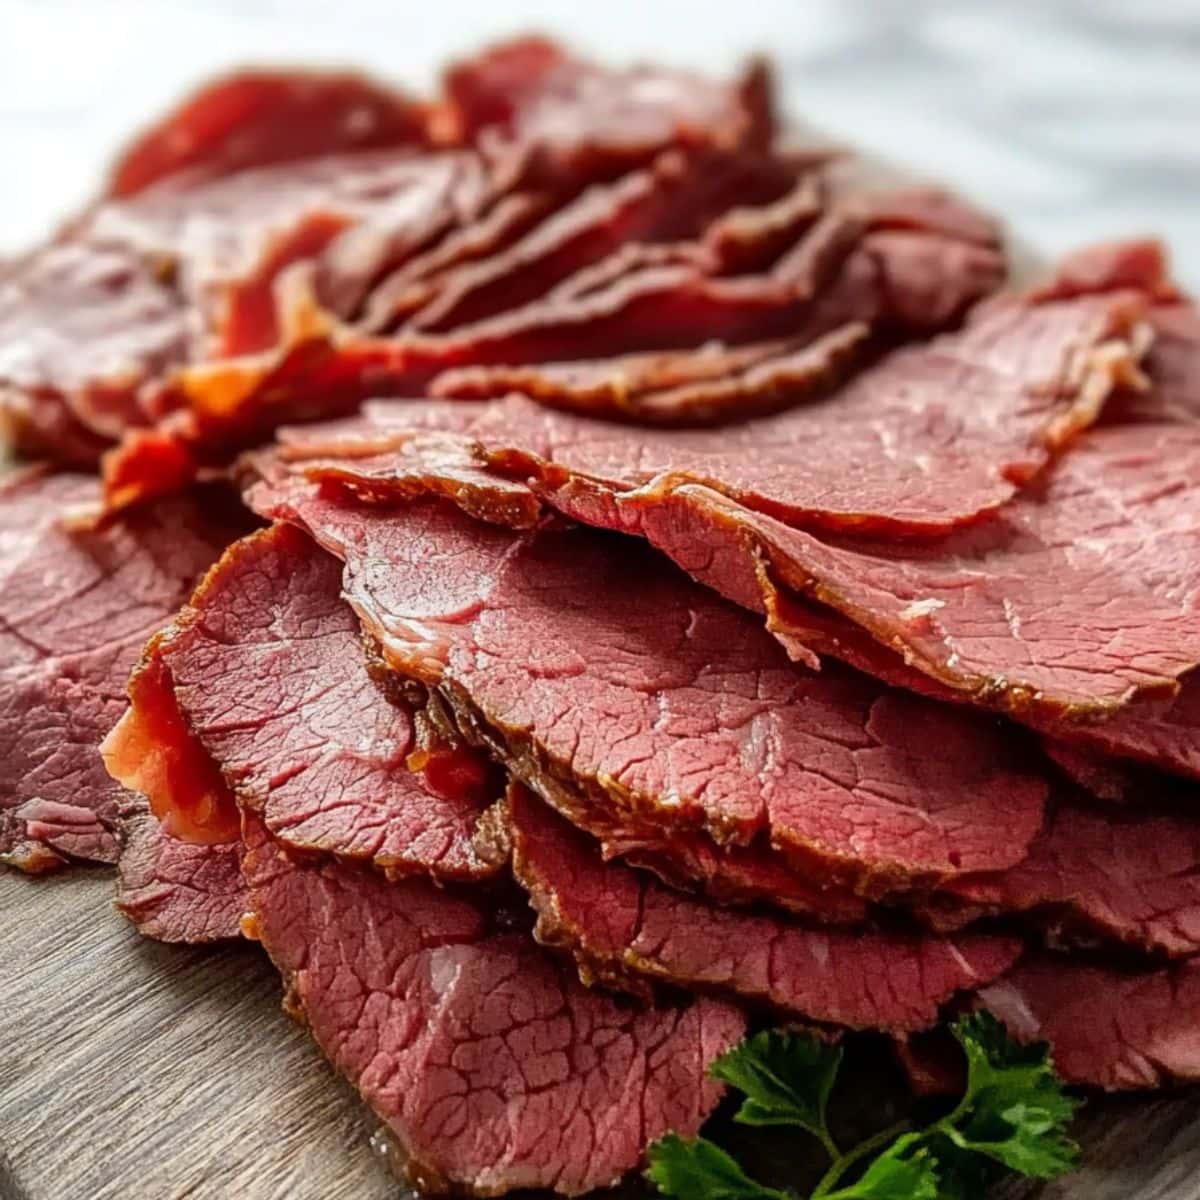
x=131 y=1070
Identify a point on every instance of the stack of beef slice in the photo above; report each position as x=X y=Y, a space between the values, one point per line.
x=578 y=572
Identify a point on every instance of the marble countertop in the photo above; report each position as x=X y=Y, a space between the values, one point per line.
x=1073 y=119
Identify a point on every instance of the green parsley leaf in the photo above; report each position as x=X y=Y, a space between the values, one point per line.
x=1014 y=1116
x=1015 y=1110
x=785 y=1077
x=961 y=1174
x=905 y=1171
x=697 y=1169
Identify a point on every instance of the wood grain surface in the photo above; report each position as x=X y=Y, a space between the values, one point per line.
x=131 y=1070
x=139 y=1071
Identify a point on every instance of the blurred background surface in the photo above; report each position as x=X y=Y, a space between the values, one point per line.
x=1073 y=119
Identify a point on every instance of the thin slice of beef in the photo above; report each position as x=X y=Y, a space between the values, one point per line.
x=1108 y=1028
x=1157 y=731
x=641 y=296
x=492 y=1066
x=1140 y=263
x=75 y=610
x=1102 y=756
x=1089 y=877
x=626 y=929
x=594 y=224
x=82 y=328
x=41 y=426
x=671 y=200
x=675 y=713
x=751 y=237
x=1100 y=876
x=669 y=307
x=728 y=875
x=925 y=247
x=214 y=246
x=712 y=384
x=630 y=260
x=1110 y=520
x=664 y=305
x=260 y=691
x=706 y=168
x=1131 y=880
x=608 y=383
x=555 y=116
x=1109 y=532
x=924 y=209
x=689 y=860
x=177 y=891
x=413 y=284
x=254 y=118
x=105 y=308
x=927 y=280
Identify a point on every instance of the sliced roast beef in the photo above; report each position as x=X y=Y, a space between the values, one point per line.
x=357 y=215
x=493 y=1067
x=1098 y=754
x=296 y=729
x=415 y=282
x=324 y=366
x=92 y=323
x=1132 y=880
x=557 y=116
x=1110 y=519
x=1159 y=731
x=608 y=383
x=675 y=713
x=263 y=170
x=1089 y=877
x=1108 y=1028
x=256 y=118
x=1109 y=531
x=625 y=928
x=82 y=329
x=673 y=199
x=177 y=891
x=629 y=260
x=1099 y=875
x=974 y=414
x=658 y=307
x=752 y=237
x=252 y=172
x=75 y=610
x=687 y=387
x=931 y=437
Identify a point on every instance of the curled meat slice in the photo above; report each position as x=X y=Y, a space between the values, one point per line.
x=489 y=1062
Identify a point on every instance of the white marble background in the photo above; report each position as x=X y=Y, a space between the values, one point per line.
x=1076 y=119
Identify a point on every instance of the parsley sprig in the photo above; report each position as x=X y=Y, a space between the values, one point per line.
x=1013 y=1116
